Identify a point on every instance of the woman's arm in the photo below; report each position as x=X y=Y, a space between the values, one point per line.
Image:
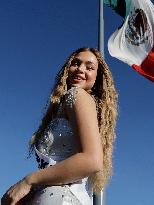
x=83 y=119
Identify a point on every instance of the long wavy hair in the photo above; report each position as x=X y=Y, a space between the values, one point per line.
x=105 y=96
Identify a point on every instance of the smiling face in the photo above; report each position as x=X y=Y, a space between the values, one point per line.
x=83 y=70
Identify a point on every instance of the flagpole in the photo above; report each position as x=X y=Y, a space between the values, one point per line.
x=98 y=199
x=101 y=28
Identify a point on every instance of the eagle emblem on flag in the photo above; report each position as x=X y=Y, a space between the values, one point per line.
x=137 y=29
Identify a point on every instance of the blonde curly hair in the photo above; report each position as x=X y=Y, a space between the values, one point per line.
x=105 y=96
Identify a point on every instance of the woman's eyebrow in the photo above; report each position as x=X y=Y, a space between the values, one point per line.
x=76 y=59
x=89 y=62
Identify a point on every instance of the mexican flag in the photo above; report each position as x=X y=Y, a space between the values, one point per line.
x=133 y=42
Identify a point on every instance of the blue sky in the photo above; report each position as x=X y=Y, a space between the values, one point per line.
x=35 y=39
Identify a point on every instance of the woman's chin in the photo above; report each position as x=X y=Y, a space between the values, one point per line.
x=76 y=84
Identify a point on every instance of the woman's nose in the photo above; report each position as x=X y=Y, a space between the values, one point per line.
x=81 y=68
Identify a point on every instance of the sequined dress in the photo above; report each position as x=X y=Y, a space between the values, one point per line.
x=57 y=144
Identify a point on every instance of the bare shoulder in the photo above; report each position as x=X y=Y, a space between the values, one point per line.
x=76 y=97
x=82 y=115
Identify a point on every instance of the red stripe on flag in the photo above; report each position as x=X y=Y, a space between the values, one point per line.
x=147 y=67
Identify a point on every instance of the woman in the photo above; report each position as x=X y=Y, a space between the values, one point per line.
x=74 y=142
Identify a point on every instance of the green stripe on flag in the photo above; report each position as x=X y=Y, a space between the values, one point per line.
x=128 y=4
x=122 y=7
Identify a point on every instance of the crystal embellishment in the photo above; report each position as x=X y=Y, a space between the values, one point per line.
x=58 y=139
x=71 y=96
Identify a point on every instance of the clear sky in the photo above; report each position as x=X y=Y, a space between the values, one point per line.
x=35 y=39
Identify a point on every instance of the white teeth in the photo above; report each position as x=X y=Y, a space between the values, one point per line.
x=78 y=78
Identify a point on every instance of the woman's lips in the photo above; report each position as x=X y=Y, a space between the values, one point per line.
x=76 y=78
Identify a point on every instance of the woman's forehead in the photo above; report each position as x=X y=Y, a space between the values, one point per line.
x=87 y=56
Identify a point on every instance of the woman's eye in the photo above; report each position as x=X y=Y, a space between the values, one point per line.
x=90 y=68
x=74 y=63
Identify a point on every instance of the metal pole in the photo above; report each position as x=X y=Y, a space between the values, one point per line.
x=98 y=199
x=101 y=28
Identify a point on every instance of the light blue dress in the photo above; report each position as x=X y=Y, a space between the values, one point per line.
x=57 y=144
